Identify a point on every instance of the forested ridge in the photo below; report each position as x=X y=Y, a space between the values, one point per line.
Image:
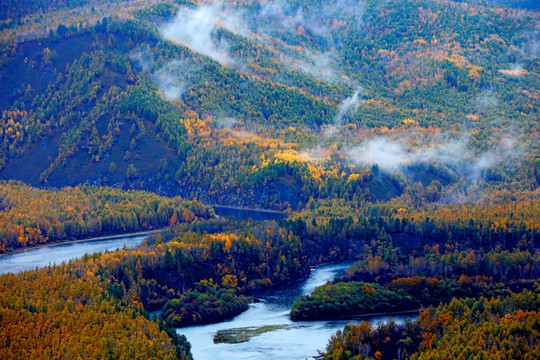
x=402 y=135
x=281 y=114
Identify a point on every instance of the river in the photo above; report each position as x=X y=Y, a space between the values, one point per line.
x=55 y=254
x=241 y=214
x=299 y=341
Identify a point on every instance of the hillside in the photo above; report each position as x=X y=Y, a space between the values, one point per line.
x=271 y=104
x=401 y=135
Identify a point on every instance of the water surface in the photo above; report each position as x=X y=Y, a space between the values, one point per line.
x=290 y=344
x=56 y=254
x=241 y=214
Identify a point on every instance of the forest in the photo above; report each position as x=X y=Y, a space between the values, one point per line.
x=32 y=217
x=400 y=135
x=126 y=106
x=504 y=327
x=206 y=269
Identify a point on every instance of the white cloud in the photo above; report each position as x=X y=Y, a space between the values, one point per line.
x=350 y=104
x=395 y=155
x=197 y=29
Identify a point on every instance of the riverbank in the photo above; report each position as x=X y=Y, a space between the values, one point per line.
x=265 y=330
x=365 y=316
x=225 y=207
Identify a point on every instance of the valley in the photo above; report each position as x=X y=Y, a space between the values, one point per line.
x=261 y=148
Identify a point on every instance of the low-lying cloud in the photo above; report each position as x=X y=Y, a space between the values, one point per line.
x=515 y=70
x=486 y=100
x=397 y=155
x=349 y=105
x=319 y=65
x=170 y=86
x=142 y=57
x=226 y=122
x=173 y=79
x=197 y=29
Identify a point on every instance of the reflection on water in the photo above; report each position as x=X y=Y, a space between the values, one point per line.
x=32 y=258
x=245 y=214
x=290 y=344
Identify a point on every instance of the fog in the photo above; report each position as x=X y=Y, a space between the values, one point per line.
x=315 y=20
x=395 y=155
x=197 y=29
x=142 y=57
x=173 y=78
x=349 y=105
x=169 y=81
x=486 y=100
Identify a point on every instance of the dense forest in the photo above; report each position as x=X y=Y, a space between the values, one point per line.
x=257 y=120
x=400 y=134
x=31 y=217
x=205 y=269
x=72 y=311
x=496 y=328
x=461 y=256
x=420 y=259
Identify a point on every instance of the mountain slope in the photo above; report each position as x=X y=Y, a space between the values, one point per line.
x=269 y=104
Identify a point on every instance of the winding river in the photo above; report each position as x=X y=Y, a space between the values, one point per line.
x=300 y=340
x=292 y=340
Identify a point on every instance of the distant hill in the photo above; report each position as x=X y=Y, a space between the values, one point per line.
x=268 y=104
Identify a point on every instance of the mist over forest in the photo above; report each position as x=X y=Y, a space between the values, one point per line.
x=400 y=136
